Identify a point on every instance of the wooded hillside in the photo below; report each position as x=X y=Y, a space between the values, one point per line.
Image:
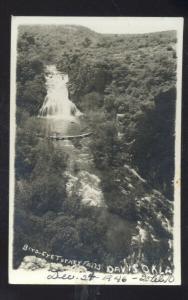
x=126 y=87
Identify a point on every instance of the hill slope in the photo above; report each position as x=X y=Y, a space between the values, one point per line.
x=126 y=87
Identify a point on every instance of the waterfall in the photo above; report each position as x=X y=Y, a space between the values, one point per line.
x=60 y=115
x=57 y=104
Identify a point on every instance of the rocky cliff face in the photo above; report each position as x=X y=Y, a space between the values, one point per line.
x=149 y=213
x=114 y=205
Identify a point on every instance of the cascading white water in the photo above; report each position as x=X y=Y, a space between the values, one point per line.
x=60 y=115
x=57 y=104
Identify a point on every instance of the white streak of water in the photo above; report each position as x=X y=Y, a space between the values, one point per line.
x=57 y=104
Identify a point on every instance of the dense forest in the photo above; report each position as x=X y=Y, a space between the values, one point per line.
x=126 y=87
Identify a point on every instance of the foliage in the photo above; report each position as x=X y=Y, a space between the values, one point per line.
x=125 y=85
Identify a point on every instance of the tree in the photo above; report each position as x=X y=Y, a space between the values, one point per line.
x=153 y=151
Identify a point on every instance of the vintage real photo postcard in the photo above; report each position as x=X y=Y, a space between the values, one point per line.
x=95 y=139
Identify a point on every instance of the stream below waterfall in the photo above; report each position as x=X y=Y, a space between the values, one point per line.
x=60 y=116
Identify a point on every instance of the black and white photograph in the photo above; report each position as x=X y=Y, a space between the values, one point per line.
x=95 y=150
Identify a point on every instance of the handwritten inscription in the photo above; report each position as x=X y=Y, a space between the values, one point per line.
x=87 y=276
x=113 y=278
x=101 y=273
x=161 y=278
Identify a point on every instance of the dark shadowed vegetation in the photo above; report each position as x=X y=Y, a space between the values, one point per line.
x=126 y=87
